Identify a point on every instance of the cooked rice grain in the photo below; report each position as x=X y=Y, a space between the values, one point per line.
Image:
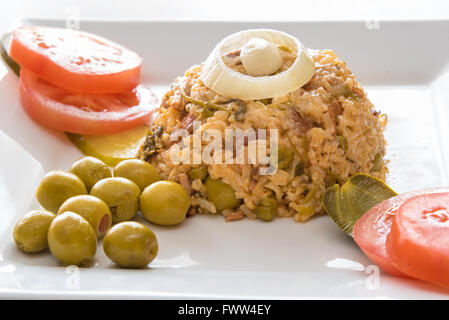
x=329 y=123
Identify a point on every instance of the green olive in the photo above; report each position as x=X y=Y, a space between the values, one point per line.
x=56 y=187
x=30 y=233
x=221 y=194
x=90 y=170
x=72 y=239
x=198 y=173
x=138 y=171
x=165 y=203
x=267 y=209
x=120 y=194
x=130 y=244
x=285 y=158
x=91 y=208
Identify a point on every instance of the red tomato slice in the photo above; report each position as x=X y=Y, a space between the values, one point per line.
x=83 y=113
x=76 y=60
x=418 y=243
x=372 y=229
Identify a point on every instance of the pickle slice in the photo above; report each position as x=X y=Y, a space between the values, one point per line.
x=4 y=45
x=111 y=148
x=346 y=204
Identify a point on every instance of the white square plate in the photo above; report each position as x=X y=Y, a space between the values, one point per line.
x=403 y=66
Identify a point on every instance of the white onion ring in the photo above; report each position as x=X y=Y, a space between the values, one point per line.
x=230 y=83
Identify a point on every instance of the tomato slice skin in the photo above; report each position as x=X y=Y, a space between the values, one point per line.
x=418 y=243
x=372 y=229
x=82 y=113
x=76 y=60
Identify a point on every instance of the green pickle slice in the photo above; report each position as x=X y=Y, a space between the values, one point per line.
x=111 y=148
x=4 y=46
x=346 y=204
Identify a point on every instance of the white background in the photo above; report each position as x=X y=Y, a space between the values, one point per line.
x=228 y=9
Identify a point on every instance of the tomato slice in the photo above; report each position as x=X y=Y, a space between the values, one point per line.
x=418 y=243
x=76 y=60
x=372 y=229
x=83 y=113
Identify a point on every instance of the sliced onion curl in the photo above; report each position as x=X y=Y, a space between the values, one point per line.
x=217 y=76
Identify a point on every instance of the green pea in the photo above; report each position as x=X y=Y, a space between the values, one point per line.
x=198 y=173
x=267 y=209
x=221 y=194
x=285 y=158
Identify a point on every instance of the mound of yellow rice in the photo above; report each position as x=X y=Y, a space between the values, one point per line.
x=329 y=124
